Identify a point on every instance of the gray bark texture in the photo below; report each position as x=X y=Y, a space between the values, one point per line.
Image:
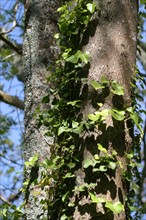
x=39 y=53
x=111 y=42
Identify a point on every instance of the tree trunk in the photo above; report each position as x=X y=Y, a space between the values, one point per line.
x=39 y=52
x=111 y=44
x=111 y=41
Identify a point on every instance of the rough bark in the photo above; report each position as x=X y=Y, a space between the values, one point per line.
x=38 y=54
x=112 y=47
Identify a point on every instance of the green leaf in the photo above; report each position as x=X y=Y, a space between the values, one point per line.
x=112 y=165
x=96 y=199
x=66 y=53
x=117 y=88
x=102 y=148
x=104 y=113
x=85 y=19
x=4 y=212
x=71 y=165
x=89 y=162
x=64 y=7
x=135 y=187
x=129 y=155
x=56 y=36
x=48 y=163
x=96 y=85
x=133 y=208
x=117 y=114
x=116 y=207
x=63 y=129
x=73 y=59
x=74 y=103
x=80 y=188
x=84 y=57
x=102 y=168
x=78 y=129
x=69 y=175
x=104 y=80
x=100 y=104
x=130 y=109
x=94 y=117
x=91 y=7
x=135 y=117
x=65 y=196
x=32 y=161
x=63 y=217
x=75 y=124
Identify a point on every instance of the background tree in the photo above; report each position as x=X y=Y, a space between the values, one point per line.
x=43 y=61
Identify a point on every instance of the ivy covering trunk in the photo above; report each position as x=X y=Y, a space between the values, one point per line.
x=79 y=64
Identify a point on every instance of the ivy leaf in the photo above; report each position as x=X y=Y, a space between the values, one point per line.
x=85 y=19
x=78 y=129
x=75 y=124
x=56 y=36
x=71 y=165
x=103 y=168
x=74 y=103
x=96 y=85
x=69 y=175
x=63 y=217
x=84 y=57
x=135 y=187
x=104 y=80
x=135 y=117
x=112 y=165
x=63 y=8
x=117 y=88
x=116 y=207
x=66 y=53
x=102 y=148
x=78 y=55
x=89 y=162
x=117 y=114
x=48 y=163
x=104 y=113
x=63 y=129
x=96 y=199
x=94 y=117
x=32 y=161
x=65 y=196
x=91 y=7
x=73 y=59
x=100 y=104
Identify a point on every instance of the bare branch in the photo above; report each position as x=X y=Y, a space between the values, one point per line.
x=11 y=100
x=14 y=197
x=14 y=46
x=14 y=23
x=12 y=161
x=5 y=201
